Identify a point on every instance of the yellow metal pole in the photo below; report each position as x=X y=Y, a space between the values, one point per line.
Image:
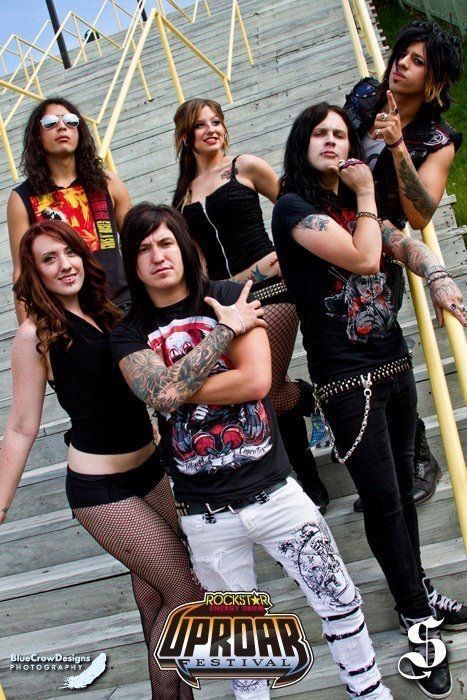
x=447 y=422
x=227 y=90
x=141 y=75
x=109 y=132
x=193 y=48
x=2 y=694
x=454 y=329
x=231 y=42
x=353 y=32
x=169 y=57
x=78 y=35
x=370 y=36
x=244 y=34
x=9 y=154
x=126 y=46
x=207 y=7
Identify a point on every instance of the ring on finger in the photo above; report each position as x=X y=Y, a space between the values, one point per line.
x=453 y=306
x=383 y=116
x=377 y=132
x=340 y=164
x=394 y=111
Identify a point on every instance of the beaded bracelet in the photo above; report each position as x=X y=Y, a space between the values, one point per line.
x=394 y=145
x=435 y=269
x=441 y=277
x=369 y=215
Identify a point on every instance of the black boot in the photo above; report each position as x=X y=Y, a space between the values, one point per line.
x=438 y=682
x=427 y=471
x=295 y=439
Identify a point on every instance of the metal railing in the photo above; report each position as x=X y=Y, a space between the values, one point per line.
x=164 y=26
x=181 y=11
x=158 y=20
x=447 y=422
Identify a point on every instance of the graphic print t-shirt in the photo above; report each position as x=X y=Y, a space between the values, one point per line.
x=92 y=216
x=214 y=453
x=348 y=321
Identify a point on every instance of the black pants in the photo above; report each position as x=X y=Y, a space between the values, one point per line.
x=382 y=469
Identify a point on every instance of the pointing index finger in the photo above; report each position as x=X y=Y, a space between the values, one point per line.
x=391 y=100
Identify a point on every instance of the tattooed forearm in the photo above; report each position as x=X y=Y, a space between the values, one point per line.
x=166 y=388
x=414 y=190
x=317 y=222
x=414 y=254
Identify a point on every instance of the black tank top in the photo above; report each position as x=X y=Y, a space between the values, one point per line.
x=92 y=215
x=106 y=417
x=229 y=228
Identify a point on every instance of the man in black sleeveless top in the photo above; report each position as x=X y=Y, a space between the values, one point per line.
x=66 y=181
x=410 y=148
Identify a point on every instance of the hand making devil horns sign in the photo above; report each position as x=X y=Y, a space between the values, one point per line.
x=388 y=124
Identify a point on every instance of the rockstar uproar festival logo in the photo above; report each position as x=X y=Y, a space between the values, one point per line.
x=234 y=635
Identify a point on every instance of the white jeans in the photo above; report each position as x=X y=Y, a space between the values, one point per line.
x=292 y=530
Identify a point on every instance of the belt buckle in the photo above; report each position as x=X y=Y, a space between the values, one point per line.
x=213 y=511
x=234 y=510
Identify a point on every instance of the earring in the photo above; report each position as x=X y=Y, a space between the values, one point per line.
x=185 y=145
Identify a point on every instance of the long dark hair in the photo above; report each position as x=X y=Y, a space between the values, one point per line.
x=444 y=61
x=301 y=177
x=185 y=119
x=44 y=308
x=89 y=166
x=139 y=222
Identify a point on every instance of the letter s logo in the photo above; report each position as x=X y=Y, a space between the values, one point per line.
x=435 y=650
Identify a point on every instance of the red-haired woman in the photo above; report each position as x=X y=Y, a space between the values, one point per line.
x=218 y=196
x=115 y=484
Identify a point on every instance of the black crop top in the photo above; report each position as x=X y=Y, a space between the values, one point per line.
x=229 y=228
x=106 y=417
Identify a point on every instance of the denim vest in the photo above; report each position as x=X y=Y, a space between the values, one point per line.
x=426 y=134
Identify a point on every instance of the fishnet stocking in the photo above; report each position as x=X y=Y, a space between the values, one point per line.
x=141 y=533
x=282 y=330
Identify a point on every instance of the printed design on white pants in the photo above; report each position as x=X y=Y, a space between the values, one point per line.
x=206 y=438
x=319 y=565
x=246 y=687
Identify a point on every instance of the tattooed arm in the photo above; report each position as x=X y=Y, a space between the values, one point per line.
x=359 y=253
x=420 y=192
x=421 y=260
x=166 y=388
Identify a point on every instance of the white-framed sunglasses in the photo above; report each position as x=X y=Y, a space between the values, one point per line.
x=50 y=121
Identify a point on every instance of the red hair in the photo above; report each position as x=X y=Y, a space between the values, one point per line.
x=46 y=309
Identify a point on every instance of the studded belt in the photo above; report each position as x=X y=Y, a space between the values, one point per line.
x=233 y=506
x=272 y=290
x=379 y=374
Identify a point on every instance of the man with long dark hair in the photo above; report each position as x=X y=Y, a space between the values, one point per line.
x=410 y=148
x=330 y=240
x=66 y=181
x=220 y=439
